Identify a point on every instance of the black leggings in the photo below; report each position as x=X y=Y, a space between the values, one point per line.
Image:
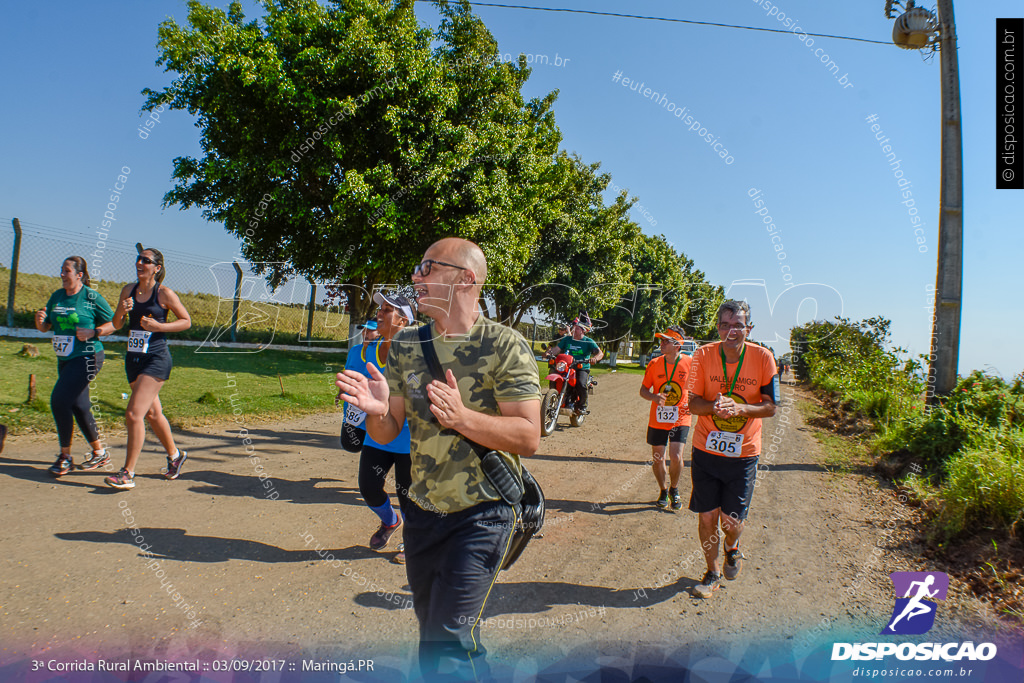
x=374 y=465
x=70 y=398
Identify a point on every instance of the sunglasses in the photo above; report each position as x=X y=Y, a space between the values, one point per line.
x=145 y=259
x=423 y=269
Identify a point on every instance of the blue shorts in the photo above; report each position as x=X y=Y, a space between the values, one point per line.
x=721 y=482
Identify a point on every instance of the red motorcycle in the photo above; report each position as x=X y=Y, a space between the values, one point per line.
x=561 y=393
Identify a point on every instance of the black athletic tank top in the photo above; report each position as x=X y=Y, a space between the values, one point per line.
x=157 y=341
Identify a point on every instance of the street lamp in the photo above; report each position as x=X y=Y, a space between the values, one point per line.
x=917 y=28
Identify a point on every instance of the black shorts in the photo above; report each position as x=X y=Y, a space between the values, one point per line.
x=156 y=365
x=721 y=482
x=661 y=437
x=352 y=437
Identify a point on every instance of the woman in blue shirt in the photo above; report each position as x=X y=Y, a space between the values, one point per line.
x=376 y=459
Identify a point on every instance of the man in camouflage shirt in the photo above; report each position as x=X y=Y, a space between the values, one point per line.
x=457 y=528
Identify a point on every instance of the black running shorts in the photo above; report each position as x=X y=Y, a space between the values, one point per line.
x=157 y=365
x=661 y=437
x=721 y=482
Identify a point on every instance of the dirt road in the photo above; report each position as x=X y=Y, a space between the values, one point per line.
x=235 y=567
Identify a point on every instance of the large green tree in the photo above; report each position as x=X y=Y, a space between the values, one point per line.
x=658 y=294
x=340 y=140
x=579 y=260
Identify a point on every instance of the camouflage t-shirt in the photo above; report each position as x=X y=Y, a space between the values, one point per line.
x=491 y=364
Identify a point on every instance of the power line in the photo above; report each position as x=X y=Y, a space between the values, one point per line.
x=678 y=21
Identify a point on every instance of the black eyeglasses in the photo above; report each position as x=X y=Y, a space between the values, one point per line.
x=423 y=269
x=145 y=259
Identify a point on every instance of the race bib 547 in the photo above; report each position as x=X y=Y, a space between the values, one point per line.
x=63 y=345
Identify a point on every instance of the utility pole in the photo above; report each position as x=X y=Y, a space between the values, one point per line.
x=918 y=28
x=949 y=279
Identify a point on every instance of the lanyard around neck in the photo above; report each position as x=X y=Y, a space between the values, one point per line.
x=376 y=354
x=668 y=377
x=725 y=373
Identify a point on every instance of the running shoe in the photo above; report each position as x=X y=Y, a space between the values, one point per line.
x=63 y=465
x=662 y=501
x=677 y=500
x=708 y=585
x=380 y=539
x=174 y=464
x=96 y=460
x=400 y=556
x=122 y=480
x=733 y=563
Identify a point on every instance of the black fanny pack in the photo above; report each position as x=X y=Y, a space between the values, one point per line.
x=523 y=494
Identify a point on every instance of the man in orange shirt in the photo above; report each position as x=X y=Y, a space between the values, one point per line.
x=733 y=384
x=669 y=421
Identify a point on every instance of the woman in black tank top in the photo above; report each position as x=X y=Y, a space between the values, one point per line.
x=148 y=362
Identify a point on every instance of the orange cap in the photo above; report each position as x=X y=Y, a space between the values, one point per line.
x=671 y=335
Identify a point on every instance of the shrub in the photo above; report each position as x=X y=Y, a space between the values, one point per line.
x=972 y=445
x=850 y=359
x=985 y=486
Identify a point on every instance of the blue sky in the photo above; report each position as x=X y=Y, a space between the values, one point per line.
x=794 y=132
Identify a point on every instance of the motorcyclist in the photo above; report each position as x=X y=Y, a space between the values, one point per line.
x=584 y=350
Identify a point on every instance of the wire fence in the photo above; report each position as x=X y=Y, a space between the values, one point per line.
x=226 y=301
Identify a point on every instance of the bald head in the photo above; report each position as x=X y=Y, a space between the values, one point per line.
x=464 y=253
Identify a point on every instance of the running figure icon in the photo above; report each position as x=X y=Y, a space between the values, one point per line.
x=915 y=607
x=914 y=613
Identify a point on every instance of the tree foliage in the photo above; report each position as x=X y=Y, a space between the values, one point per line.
x=579 y=262
x=664 y=290
x=341 y=139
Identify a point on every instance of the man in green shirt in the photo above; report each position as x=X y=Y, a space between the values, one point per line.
x=582 y=349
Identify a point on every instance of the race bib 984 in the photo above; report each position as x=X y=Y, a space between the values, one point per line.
x=353 y=415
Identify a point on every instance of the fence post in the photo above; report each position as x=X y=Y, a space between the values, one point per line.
x=14 y=271
x=237 y=300
x=312 y=308
x=138 y=247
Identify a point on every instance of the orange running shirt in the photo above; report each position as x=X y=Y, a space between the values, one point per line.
x=758 y=371
x=656 y=379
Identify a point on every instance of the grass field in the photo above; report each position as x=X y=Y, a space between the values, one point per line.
x=257 y=320
x=197 y=393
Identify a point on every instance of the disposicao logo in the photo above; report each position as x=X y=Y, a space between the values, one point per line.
x=914 y=613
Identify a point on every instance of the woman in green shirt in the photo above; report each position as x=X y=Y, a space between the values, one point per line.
x=78 y=316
